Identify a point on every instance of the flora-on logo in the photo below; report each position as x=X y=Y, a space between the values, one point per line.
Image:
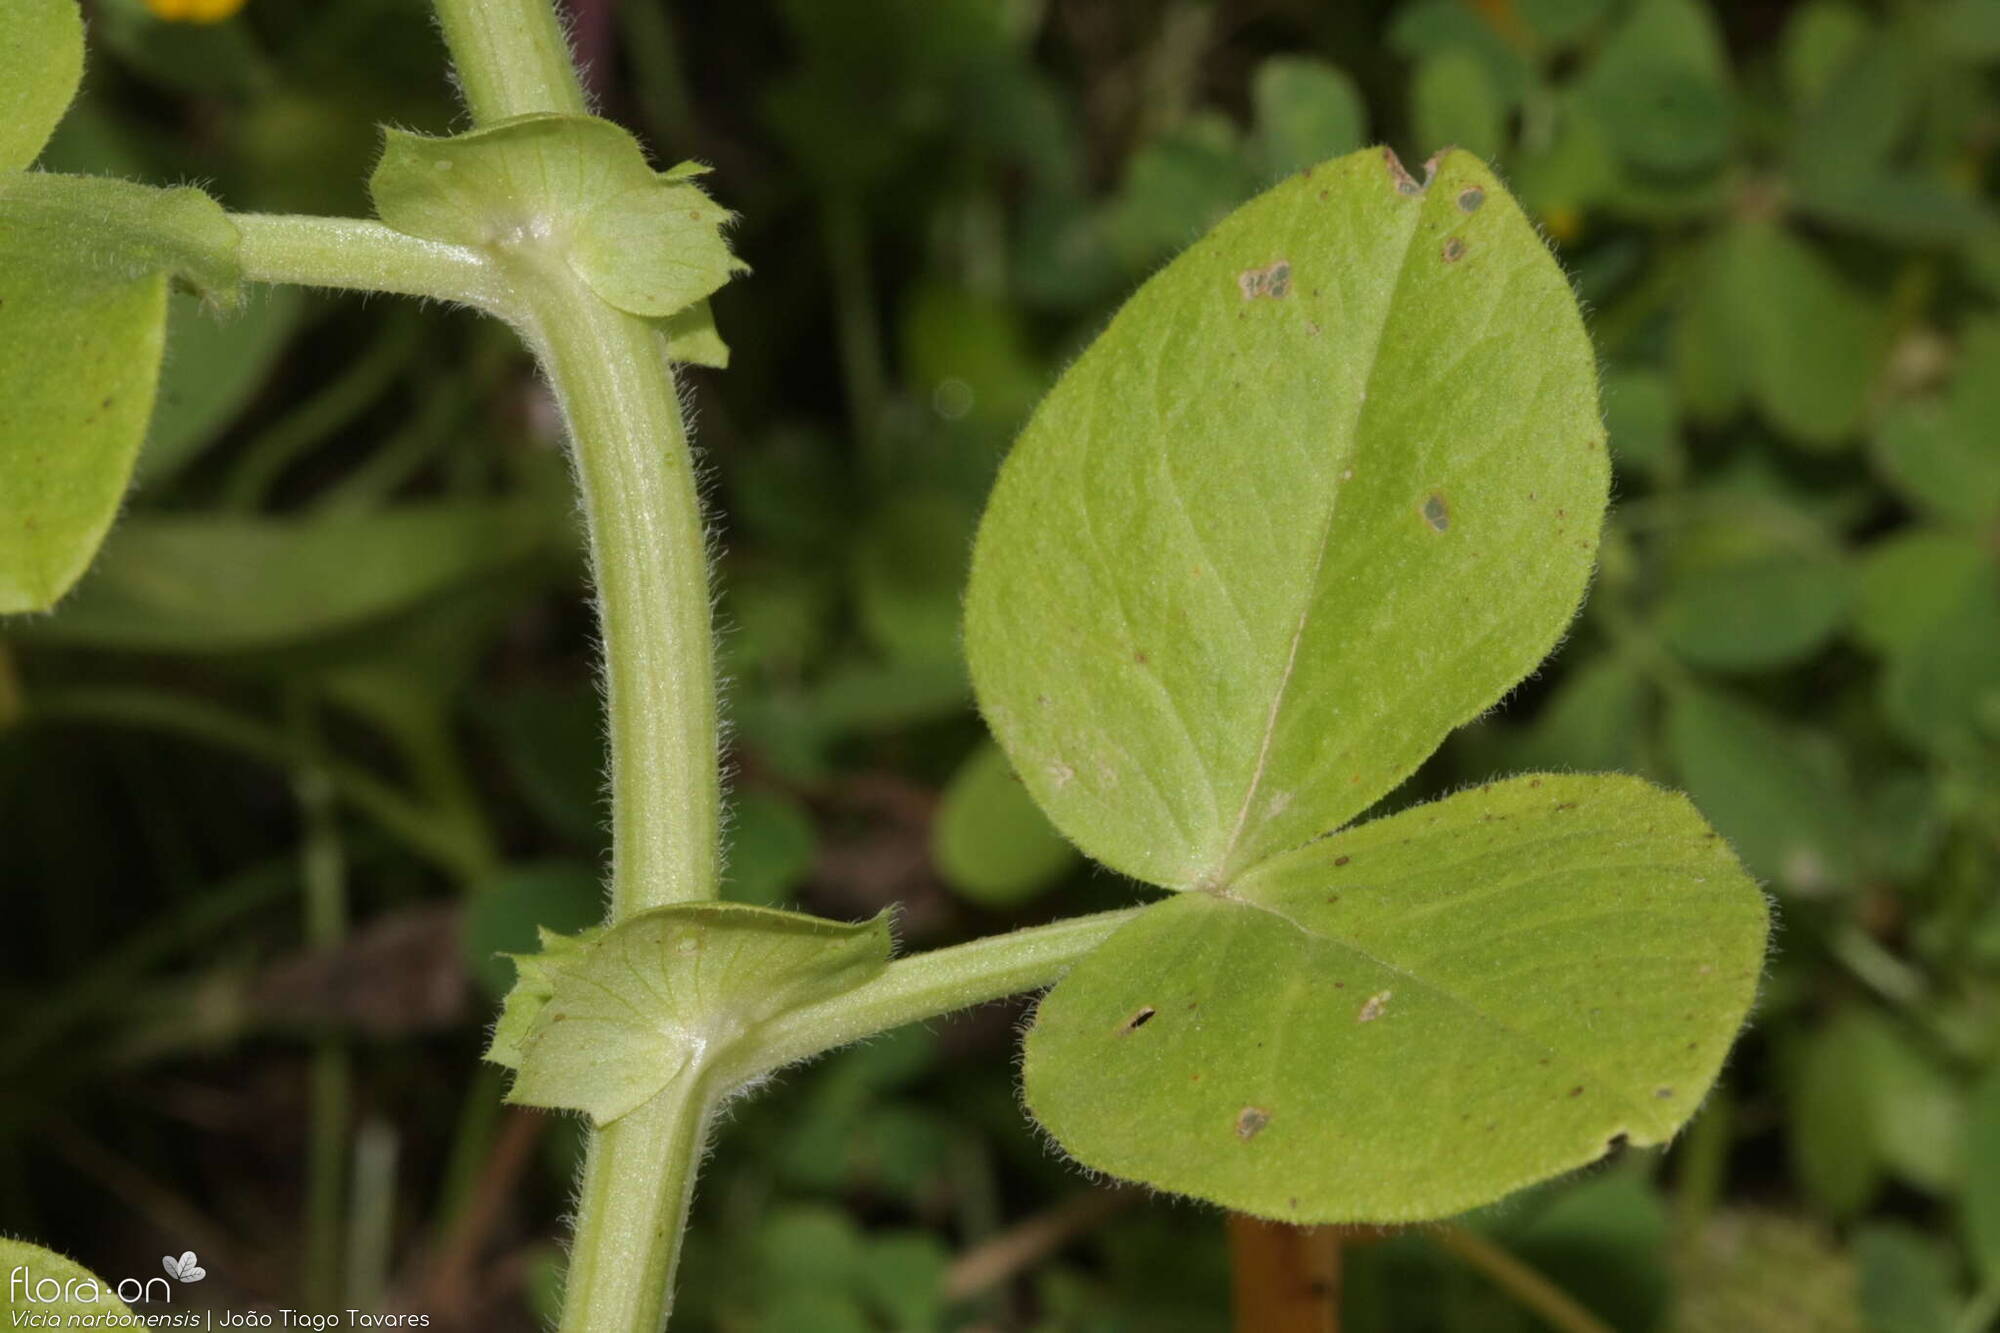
x=184 y=1269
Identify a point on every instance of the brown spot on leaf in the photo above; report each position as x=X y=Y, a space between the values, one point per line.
x=1250 y=1122
x=1436 y=511
x=1342 y=860
x=1273 y=280
x=1137 y=1020
x=1454 y=250
x=1372 y=1010
x=1576 y=1091
x=1470 y=198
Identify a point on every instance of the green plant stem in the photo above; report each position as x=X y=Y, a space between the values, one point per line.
x=632 y=1209
x=650 y=561
x=636 y=476
x=353 y=255
x=926 y=985
x=511 y=58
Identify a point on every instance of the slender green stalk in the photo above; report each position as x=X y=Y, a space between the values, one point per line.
x=511 y=58
x=354 y=255
x=926 y=985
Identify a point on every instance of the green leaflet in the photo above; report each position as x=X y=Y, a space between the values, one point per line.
x=77 y=367
x=84 y=267
x=1326 y=488
x=1414 y=1016
x=665 y=990
x=53 y=1287
x=41 y=62
x=649 y=243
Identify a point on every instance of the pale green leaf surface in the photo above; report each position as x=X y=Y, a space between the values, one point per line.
x=1414 y=1016
x=215 y=583
x=78 y=362
x=41 y=62
x=615 y=1019
x=989 y=840
x=655 y=249
x=504 y=181
x=76 y=1293
x=1325 y=489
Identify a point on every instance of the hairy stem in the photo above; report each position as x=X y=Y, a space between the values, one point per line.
x=511 y=58
x=649 y=558
x=356 y=255
x=926 y=985
x=648 y=554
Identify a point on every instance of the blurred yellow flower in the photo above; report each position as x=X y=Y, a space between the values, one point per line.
x=194 y=11
x=1563 y=224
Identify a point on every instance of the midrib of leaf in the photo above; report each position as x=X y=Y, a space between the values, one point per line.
x=1217 y=879
x=1598 y=1077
